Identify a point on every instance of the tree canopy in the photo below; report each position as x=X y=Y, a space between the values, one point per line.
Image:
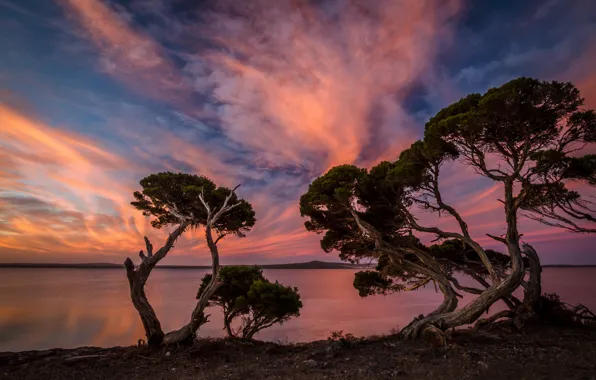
x=169 y=197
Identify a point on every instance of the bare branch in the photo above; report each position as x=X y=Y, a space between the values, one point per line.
x=437 y=193
x=497 y=238
x=149 y=246
x=225 y=208
x=565 y=223
x=477 y=248
x=220 y=237
x=174 y=211
x=201 y=197
x=464 y=288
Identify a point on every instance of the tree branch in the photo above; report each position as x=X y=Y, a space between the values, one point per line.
x=220 y=237
x=497 y=238
x=225 y=208
x=477 y=248
x=149 y=246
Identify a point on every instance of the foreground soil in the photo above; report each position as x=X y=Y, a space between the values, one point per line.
x=537 y=353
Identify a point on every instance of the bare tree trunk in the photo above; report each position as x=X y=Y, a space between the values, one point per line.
x=228 y=327
x=511 y=301
x=137 y=278
x=197 y=318
x=433 y=271
x=533 y=289
x=472 y=311
x=151 y=324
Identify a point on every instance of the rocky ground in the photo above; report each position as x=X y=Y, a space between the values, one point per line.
x=537 y=353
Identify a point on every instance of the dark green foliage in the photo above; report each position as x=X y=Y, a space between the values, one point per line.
x=247 y=295
x=505 y=119
x=236 y=282
x=272 y=303
x=455 y=255
x=370 y=282
x=165 y=194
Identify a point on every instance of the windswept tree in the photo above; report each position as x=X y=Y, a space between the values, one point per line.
x=183 y=201
x=246 y=295
x=505 y=135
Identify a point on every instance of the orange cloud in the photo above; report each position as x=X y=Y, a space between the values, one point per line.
x=62 y=199
x=53 y=200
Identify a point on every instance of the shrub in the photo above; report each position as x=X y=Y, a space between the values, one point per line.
x=246 y=294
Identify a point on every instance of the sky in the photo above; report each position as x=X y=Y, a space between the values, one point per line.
x=97 y=94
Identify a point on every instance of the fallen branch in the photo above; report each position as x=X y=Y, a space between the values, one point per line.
x=74 y=358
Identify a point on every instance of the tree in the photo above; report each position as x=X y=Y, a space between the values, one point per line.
x=503 y=134
x=183 y=201
x=245 y=293
x=231 y=295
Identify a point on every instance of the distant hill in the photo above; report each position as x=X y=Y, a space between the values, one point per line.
x=314 y=265
x=307 y=265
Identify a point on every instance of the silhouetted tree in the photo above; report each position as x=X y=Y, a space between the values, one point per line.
x=183 y=201
x=231 y=295
x=503 y=135
x=246 y=294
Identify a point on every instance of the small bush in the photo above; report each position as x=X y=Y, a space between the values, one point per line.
x=346 y=340
x=247 y=295
x=552 y=310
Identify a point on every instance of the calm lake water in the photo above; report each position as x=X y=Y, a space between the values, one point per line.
x=46 y=308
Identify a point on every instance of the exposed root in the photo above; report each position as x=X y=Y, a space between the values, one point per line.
x=494 y=318
x=435 y=335
x=548 y=309
x=584 y=315
x=430 y=326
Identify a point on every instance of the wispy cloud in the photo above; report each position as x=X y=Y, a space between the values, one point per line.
x=293 y=83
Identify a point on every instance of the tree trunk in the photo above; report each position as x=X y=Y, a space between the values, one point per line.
x=472 y=311
x=137 y=278
x=228 y=326
x=198 y=318
x=151 y=324
x=533 y=288
x=432 y=270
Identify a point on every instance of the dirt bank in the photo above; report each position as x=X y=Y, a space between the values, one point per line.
x=537 y=353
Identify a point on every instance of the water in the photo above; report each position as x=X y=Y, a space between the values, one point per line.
x=46 y=308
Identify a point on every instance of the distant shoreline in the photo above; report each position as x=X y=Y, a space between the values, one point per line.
x=306 y=265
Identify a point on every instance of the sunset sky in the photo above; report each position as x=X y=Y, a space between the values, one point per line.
x=96 y=94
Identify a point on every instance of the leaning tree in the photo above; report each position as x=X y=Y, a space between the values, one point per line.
x=183 y=201
x=506 y=136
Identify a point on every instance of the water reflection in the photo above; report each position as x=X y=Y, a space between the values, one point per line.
x=45 y=308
